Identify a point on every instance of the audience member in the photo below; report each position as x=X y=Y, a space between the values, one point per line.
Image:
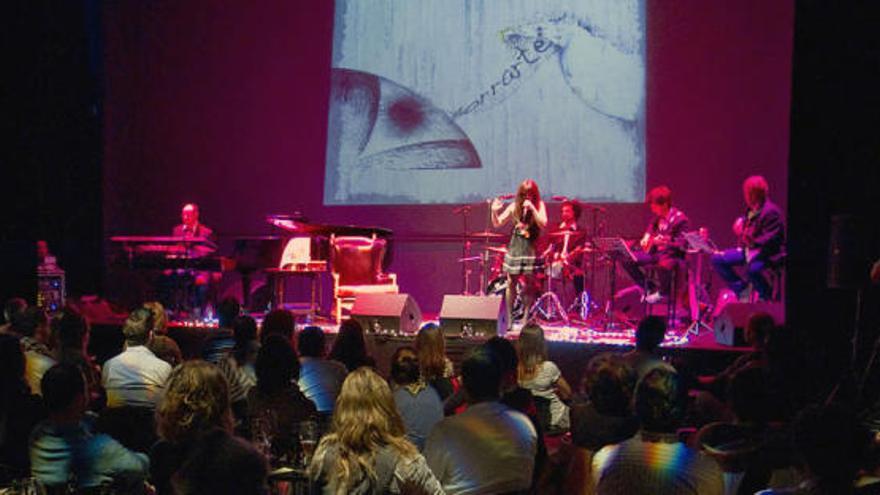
x=831 y=444
x=649 y=336
x=11 y=308
x=238 y=366
x=758 y=332
x=220 y=343
x=166 y=349
x=366 y=450
x=436 y=368
x=160 y=317
x=19 y=410
x=542 y=377
x=350 y=348
x=278 y=322
x=275 y=407
x=65 y=448
x=319 y=379
x=418 y=403
x=71 y=346
x=489 y=448
x=32 y=325
x=136 y=376
x=197 y=452
x=606 y=416
x=654 y=460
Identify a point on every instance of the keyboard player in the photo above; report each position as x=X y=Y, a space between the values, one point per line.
x=199 y=282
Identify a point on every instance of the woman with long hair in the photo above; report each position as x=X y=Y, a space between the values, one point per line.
x=542 y=377
x=350 y=347
x=197 y=452
x=435 y=367
x=522 y=261
x=366 y=450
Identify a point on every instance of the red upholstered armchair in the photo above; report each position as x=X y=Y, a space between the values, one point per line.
x=356 y=266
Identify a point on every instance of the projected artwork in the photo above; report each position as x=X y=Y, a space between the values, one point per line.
x=454 y=101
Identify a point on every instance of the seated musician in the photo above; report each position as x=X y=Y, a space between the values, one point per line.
x=191 y=228
x=567 y=251
x=662 y=246
x=761 y=234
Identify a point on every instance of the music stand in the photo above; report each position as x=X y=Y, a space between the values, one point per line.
x=698 y=245
x=616 y=248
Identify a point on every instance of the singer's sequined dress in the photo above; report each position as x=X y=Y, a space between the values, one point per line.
x=522 y=252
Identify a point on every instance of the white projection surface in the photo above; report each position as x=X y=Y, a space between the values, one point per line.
x=454 y=101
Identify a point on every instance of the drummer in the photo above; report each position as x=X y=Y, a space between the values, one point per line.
x=566 y=246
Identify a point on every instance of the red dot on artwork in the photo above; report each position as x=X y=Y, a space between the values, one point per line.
x=406 y=113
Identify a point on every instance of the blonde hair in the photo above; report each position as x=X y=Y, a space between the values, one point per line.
x=364 y=421
x=196 y=400
x=160 y=318
x=531 y=350
x=430 y=347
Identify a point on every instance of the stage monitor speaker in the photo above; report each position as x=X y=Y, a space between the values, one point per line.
x=731 y=322
x=387 y=313
x=482 y=316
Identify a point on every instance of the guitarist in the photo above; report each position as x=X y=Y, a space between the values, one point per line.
x=662 y=245
x=761 y=235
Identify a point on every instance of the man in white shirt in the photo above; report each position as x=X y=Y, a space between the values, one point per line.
x=135 y=377
x=489 y=448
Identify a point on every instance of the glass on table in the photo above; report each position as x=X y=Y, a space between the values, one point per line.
x=308 y=439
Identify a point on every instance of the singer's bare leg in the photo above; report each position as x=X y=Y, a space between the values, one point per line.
x=510 y=297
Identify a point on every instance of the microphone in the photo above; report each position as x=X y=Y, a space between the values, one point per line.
x=600 y=209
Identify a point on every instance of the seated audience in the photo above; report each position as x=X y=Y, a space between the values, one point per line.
x=220 y=343
x=65 y=448
x=197 y=452
x=166 y=349
x=136 y=376
x=757 y=334
x=654 y=460
x=831 y=445
x=542 y=377
x=19 y=410
x=606 y=416
x=71 y=346
x=366 y=450
x=11 y=308
x=649 y=336
x=32 y=325
x=350 y=348
x=418 y=403
x=238 y=366
x=489 y=448
x=319 y=379
x=275 y=407
x=436 y=368
x=278 y=322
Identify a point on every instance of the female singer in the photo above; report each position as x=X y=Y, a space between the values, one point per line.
x=522 y=260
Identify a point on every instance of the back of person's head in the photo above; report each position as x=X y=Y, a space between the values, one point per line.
x=166 y=349
x=227 y=311
x=244 y=329
x=72 y=329
x=610 y=381
x=759 y=328
x=12 y=307
x=277 y=366
x=481 y=375
x=160 y=317
x=349 y=347
x=311 y=342
x=138 y=327
x=196 y=400
x=220 y=463
x=505 y=351
x=29 y=321
x=749 y=395
x=11 y=368
x=365 y=419
x=660 y=401
x=278 y=322
x=62 y=385
x=405 y=366
x=831 y=443
x=531 y=349
x=650 y=333
x=430 y=346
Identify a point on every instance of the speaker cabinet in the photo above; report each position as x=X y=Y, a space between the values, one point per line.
x=483 y=316
x=731 y=322
x=387 y=313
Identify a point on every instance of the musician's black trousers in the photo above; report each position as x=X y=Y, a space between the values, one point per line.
x=663 y=264
x=729 y=258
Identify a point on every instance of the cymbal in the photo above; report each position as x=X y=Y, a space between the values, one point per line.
x=500 y=250
x=569 y=233
x=486 y=235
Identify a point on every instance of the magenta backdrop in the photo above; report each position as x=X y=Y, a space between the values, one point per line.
x=224 y=104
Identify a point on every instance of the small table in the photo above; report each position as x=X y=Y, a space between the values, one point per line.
x=311 y=269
